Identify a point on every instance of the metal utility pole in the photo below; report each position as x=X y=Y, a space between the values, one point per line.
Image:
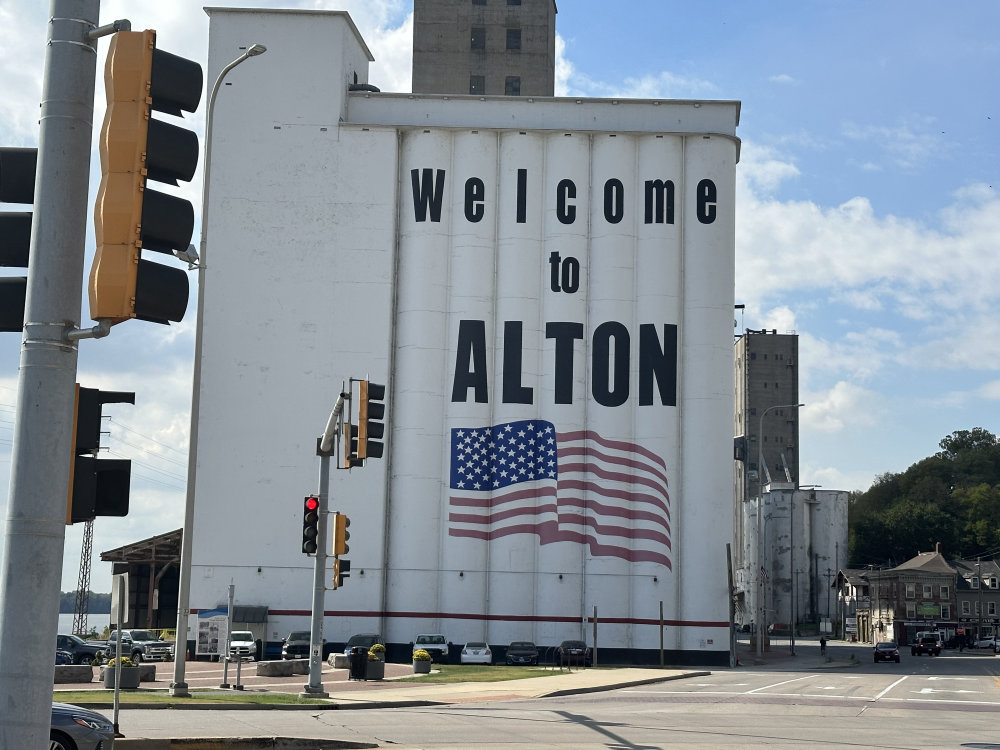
x=325 y=447
x=35 y=528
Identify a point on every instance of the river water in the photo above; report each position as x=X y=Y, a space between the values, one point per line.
x=98 y=621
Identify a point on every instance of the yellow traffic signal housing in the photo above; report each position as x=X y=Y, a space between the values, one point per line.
x=341 y=570
x=341 y=534
x=371 y=411
x=134 y=148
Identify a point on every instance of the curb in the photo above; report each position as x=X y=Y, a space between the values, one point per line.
x=249 y=743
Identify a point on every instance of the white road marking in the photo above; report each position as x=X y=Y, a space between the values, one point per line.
x=889 y=688
x=779 y=684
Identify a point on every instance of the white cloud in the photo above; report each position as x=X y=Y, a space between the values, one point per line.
x=763 y=169
x=990 y=391
x=564 y=68
x=907 y=145
x=828 y=411
x=779 y=319
x=22 y=35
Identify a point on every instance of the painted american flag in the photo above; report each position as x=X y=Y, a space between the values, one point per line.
x=525 y=477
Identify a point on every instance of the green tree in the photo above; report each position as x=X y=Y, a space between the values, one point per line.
x=952 y=497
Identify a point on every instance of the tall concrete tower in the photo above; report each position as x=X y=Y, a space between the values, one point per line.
x=484 y=47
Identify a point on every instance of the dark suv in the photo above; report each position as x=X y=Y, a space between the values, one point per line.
x=296 y=645
x=928 y=644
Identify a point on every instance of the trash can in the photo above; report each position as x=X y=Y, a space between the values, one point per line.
x=359 y=663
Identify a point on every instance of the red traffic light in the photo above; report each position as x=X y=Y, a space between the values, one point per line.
x=312 y=502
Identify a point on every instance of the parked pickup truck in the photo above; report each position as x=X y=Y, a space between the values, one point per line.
x=140 y=645
x=242 y=645
x=81 y=651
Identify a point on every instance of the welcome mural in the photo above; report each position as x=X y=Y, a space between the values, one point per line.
x=545 y=342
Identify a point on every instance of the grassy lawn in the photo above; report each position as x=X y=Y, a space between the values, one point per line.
x=83 y=697
x=443 y=674
x=449 y=673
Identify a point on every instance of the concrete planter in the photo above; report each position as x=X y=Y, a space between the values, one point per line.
x=375 y=670
x=129 y=678
x=422 y=667
x=68 y=673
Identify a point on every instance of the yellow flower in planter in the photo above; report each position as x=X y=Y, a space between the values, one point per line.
x=376 y=652
x=421 y=655
x=126 y=662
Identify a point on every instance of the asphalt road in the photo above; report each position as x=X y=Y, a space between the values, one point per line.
x=805 y=701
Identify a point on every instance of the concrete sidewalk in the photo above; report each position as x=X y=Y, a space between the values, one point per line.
x=563 y=683
x=201 y=731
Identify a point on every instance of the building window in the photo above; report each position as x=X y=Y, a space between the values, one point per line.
x=477 y=84
x=966 y=609
x=513 y=39
x=974 y=583
x=991 y=608
x=512 y=86
x=478 y=37
x=911 y=591
x=928 y=591
x=993 y=582
x=945 y=611
x=946 y=592
x=911 y=611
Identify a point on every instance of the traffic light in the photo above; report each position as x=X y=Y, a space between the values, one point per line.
x=17 y=185
x=98 y=486
x=351 y=445
x=310 y=524
x=371 y=412
x=341 y=570
x=341 y=534
x=128 y=216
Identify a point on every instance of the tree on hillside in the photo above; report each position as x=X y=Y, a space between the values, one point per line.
x=952 y=497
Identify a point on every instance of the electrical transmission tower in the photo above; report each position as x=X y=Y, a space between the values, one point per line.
x=83 y=582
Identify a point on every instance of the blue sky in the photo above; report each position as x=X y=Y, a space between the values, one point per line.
x=868 y=214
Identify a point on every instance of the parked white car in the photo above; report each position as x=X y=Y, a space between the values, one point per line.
x=476 y=652
x=989 y=643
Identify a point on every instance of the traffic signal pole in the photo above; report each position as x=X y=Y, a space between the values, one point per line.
x=35 y=527
x=325 y=447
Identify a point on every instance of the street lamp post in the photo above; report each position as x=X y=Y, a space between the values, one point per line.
x=179 y=687
x=979 y=604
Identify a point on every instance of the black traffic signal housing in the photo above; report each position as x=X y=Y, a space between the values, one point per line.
x=17 y=185
x=341 y=570
x=340 y=534
x=98 y=486
x=351 y=445
x=371 y=412
x=310 y=524
x=129 y=217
